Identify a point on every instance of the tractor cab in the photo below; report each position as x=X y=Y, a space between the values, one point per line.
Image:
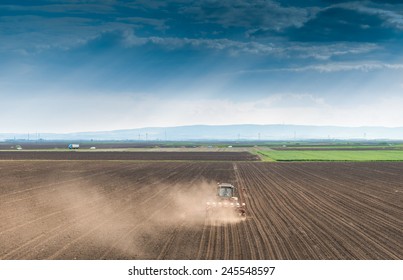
x=226 y=191
x=226 y=201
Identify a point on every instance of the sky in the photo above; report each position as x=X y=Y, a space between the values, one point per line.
x=68 y=66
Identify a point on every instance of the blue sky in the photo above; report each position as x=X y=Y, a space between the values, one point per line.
x=100 y=65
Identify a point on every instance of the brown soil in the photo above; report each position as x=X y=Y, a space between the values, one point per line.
x=95 y=155
x=85 y=145
x=155 y=210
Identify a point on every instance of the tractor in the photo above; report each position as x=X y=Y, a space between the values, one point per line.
x=226 y=202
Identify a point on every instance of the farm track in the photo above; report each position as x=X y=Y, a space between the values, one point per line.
x=155 y=210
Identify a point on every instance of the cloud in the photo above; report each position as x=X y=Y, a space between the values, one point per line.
x=391 y=12
x=360 y=66
x=268 y=15
x=134 y=110
x=392 y=18
x=329 y=50
x=236 y=25
x=123 y=111
x=158 y=24
x=185 y=53
x=334 y=67
x=232 y=47
x=216 y=44
x=341 y=24
x=33 y=34
x=63 y=8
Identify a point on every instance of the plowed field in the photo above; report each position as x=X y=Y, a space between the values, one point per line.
x=95 y=155
x=155 y=210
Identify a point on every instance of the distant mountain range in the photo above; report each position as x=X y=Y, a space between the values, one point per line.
x=224 y=132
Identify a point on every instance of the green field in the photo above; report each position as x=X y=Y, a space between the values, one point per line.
x=389 y=155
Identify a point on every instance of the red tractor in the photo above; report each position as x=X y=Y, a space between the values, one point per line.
x=226 y=202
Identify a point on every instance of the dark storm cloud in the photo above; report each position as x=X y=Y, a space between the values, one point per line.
x=148 y=38
x=338 y=24
x=248 y=14
x=134 y=44
x=388 y=1
x=234 y=20
x=231 y=53
x=373 y=1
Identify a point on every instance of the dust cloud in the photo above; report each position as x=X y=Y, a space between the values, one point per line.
x=129 y=221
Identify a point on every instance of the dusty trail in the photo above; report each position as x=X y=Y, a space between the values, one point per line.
x=40 y=199
x=155 y=210
x=84 y=211
x=165 y=203
x=117 y=218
